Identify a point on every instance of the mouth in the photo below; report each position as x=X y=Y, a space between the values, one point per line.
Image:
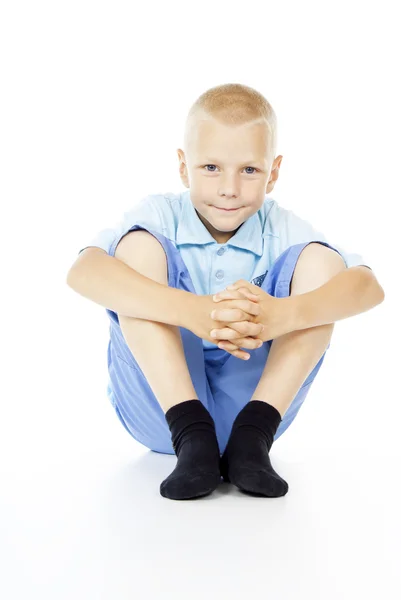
x=227 y=209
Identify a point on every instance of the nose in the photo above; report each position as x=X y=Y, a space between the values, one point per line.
x=229 y=188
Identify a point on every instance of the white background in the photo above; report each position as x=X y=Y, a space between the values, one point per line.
x=93 y=99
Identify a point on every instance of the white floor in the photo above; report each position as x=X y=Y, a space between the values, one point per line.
x=89 y=522
x=81 y=515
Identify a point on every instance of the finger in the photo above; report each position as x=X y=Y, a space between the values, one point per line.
x=224 y=334
x=252 y=329
x=250 y=307
x=233 y=349
x=241 y=341
x=249 y=343
x=244 y=285
x=246 y=311
x=241 y=314
x=246 y=328
x=248 y=293
x=240 y=354
x=233 y=295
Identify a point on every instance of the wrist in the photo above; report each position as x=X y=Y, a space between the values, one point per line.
x=279 y=316
x=184 y=308
x=294 y=313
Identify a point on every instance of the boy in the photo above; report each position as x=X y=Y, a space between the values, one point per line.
x=175 y=387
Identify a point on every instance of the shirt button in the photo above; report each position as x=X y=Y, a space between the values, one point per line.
x=219 y=274
x=221 y=251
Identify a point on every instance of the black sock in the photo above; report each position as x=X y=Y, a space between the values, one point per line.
x=197 y=472
x=245 y=461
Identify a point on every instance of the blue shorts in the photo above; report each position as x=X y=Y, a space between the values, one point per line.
x=223 y=383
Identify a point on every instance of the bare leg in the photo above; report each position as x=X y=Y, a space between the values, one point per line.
x=246 y=461
x=159 y=351
x=293 y=356
x=157 y=347
x=291 y=359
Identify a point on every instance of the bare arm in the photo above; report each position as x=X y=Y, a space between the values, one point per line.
x=108 y=281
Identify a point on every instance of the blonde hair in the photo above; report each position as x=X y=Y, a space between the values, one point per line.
x=232 y=104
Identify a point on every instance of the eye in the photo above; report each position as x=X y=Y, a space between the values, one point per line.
x=215 y=165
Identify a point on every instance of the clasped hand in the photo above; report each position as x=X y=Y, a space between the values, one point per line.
x=244 y=316
x=272 y=318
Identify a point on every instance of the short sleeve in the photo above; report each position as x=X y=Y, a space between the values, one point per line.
x=295 y=230
x=147 y=213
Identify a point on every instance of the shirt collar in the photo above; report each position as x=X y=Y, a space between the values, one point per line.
x=191 y=230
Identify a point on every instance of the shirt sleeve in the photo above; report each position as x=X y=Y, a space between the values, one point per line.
x=295 y=230
x=146 y=213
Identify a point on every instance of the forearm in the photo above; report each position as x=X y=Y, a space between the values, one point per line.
x=348 y=293
x=108 y=281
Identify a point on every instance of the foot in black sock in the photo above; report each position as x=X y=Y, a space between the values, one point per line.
x=245 y=461
x=193 y=435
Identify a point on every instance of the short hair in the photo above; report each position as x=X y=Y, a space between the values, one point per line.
x=233 y=104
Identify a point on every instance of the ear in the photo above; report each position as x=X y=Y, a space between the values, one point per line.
x=183 y=167
x=274 y=173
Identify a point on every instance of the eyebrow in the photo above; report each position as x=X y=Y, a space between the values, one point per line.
x=215 y=160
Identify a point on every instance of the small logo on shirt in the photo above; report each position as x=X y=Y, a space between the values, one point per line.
x=259 y=280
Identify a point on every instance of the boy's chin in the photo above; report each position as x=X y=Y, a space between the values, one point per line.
x=226 y=232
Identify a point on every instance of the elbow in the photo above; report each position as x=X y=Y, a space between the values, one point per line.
x=69 y=279
x=72 y=278
x=380 y=294
x=76 y=268
x=378 y=291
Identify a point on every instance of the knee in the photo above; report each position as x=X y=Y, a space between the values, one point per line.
x=316 y=265
x=143 y=252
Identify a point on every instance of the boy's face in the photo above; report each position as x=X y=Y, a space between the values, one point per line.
x=227 y=167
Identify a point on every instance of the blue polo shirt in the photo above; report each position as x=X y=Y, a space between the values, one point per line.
x=248 y=255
